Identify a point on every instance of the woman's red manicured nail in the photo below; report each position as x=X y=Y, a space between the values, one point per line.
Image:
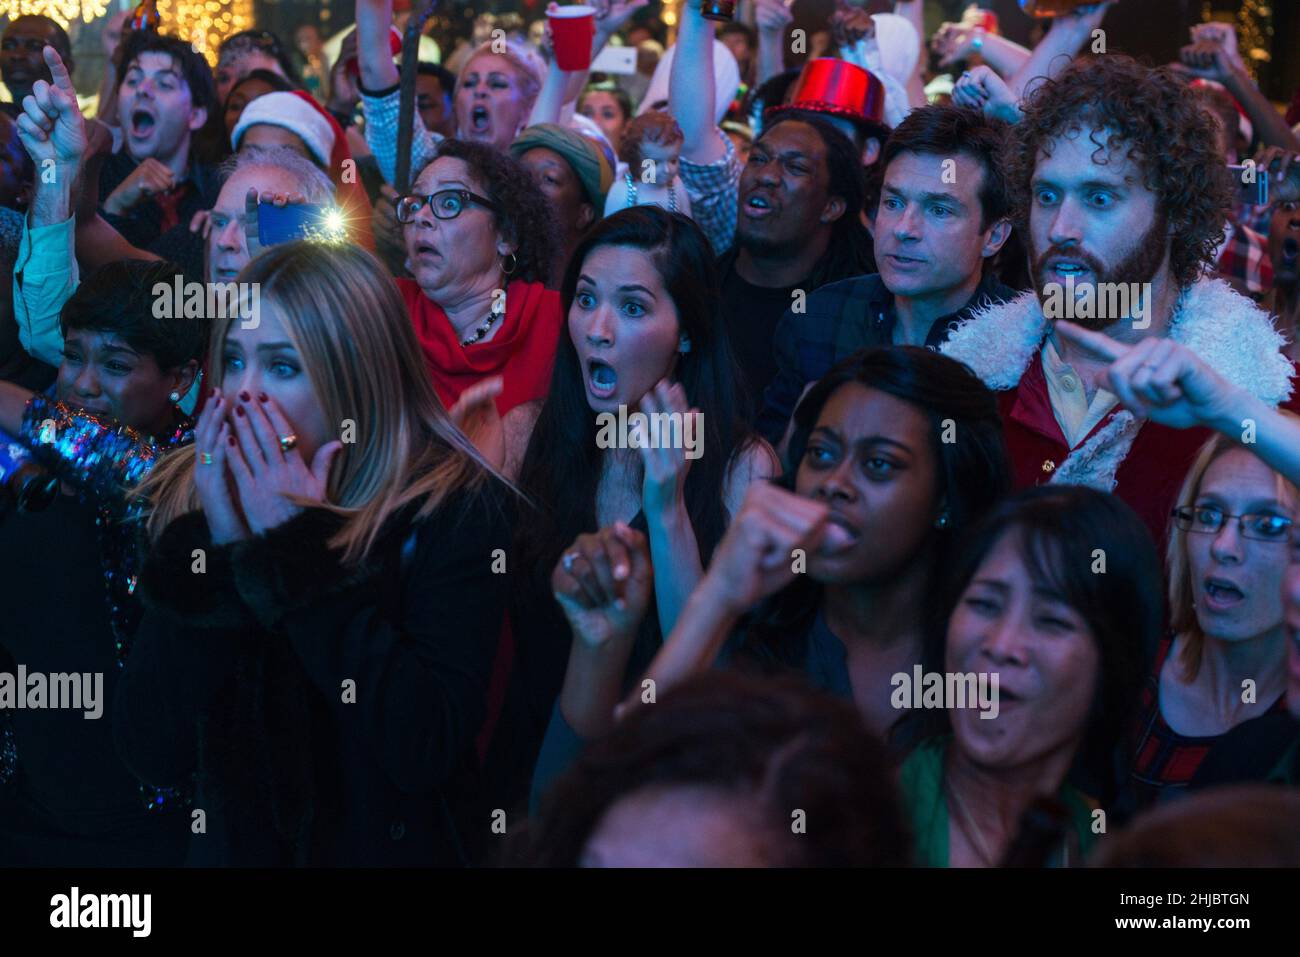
x=261 y=397
x=244 y=397
x=239 y=410
x=230 y=439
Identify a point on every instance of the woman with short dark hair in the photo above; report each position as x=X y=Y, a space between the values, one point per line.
x=66 y=798
x=832 y=571
x=479 y=241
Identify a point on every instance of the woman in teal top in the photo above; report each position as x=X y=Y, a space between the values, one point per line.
x=1050 y=606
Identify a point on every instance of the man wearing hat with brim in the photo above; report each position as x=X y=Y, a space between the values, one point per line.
x=572 y=172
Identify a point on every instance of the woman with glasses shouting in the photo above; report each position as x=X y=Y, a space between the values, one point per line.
x=479 y=243
x=1222 y=666
x=1223 y=663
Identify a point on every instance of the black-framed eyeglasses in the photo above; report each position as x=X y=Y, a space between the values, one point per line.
x=1259 y=526
x=444 y=204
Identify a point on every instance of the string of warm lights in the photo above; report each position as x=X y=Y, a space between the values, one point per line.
x=205 y=23
x=1255 y=32
x=62 y=11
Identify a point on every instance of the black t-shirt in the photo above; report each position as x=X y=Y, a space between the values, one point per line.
x=750 y=314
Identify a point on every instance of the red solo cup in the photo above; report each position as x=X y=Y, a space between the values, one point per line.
x=573 y=29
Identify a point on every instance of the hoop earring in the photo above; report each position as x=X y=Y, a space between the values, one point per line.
x=514 y=263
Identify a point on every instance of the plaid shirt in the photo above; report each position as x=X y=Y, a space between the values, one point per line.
x=1244 y=257
x=380 y=110
x=714 y=189
x=839 y=319
x=1255 y=217
x=1164 y=761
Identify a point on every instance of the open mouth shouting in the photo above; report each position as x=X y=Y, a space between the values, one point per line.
x=759 y=205
x=142 y=123
x=1067 y=265
x=602 y=380
x=426 y=251
x=480 y=121
x=1220 y=594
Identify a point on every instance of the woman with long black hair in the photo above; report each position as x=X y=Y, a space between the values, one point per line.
x=643 y=337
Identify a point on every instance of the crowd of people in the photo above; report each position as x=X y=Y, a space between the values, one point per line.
x=611 y=480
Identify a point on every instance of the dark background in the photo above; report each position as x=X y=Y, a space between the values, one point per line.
x=1149 y=29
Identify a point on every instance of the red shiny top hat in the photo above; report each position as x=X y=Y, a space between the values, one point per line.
x=838 y=88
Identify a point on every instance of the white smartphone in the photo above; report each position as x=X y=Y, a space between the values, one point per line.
x=615 y=60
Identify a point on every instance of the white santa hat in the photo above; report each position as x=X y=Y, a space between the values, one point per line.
x=292 y=113
x=726 y=80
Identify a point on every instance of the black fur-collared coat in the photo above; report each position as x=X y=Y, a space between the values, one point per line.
x=329 y=712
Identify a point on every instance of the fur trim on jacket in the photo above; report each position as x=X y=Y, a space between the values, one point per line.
x=1229 y=332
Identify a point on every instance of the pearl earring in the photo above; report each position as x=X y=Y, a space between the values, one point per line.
x=175 y=396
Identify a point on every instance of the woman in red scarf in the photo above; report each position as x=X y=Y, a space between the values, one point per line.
x=480 y=243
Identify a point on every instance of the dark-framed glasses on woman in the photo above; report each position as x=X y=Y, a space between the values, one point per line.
x=444 y=204
x=1259 y=526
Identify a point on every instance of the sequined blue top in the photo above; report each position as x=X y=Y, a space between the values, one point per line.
x=99 y=457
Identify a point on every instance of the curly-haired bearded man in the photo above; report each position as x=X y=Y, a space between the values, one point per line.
x=1114 y=177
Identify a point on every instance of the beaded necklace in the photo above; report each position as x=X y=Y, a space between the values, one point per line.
x=481 y=331
x=498 y=310
x=631 y=194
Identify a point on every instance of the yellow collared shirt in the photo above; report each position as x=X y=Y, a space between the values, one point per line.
x=1074 y=413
